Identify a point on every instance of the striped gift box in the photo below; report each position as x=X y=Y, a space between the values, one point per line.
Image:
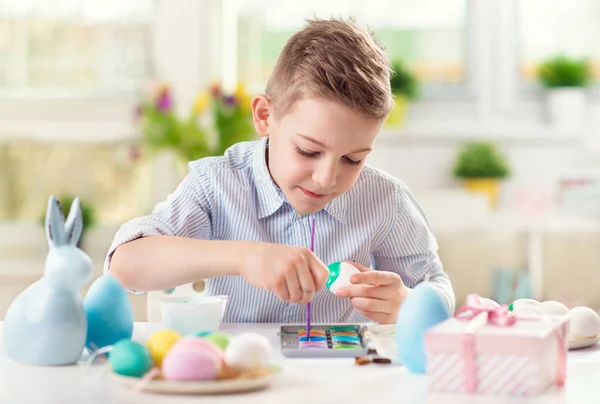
x=521 y=360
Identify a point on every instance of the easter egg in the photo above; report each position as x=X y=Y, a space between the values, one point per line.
x=423 y=308
x=528 y=311
x=522 y=302
x=130 y=358
x=219 y=339
x=192 y=359
x=211 y=346
x=160 y=343
x=339 y=275
x=108 y=311
x=553 y=308
x=248 y=351
x=200 y=334
x=583 y=323
x=489 y=303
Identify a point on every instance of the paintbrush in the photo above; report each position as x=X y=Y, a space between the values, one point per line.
x=312 y=249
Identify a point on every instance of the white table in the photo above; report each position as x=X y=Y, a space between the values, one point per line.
x=313 y=381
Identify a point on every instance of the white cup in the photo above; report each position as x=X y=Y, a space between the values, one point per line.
x=189 y=315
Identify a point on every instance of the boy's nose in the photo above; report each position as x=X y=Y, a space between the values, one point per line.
x=325 y=176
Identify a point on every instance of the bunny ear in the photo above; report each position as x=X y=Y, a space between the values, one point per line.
x=74 y=223
x=55 y=223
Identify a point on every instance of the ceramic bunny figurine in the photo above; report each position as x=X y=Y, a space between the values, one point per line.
x=46 y=324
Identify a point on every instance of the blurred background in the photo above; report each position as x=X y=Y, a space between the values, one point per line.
x=496 y=128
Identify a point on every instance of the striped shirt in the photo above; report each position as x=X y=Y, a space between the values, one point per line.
x=376 y=223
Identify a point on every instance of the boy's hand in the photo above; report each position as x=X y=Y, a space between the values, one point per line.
x=377 y=295
x=293 y=273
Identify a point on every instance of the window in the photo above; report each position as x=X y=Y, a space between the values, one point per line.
x=70 y=74
x=74 y=47
x=429 y=36
x=570 y=28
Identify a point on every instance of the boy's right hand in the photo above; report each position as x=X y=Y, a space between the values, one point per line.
x=293 y=273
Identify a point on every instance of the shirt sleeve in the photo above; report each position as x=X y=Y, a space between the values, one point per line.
x=410 y=249
x=186 y=213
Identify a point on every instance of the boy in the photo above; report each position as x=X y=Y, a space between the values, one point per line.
x=242 y=220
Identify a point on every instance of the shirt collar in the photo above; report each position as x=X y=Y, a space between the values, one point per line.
x=271 y=197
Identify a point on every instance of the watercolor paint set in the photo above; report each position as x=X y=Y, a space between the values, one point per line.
x=326 y=341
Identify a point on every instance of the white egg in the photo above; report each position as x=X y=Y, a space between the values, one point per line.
x=489 y=303
x=583 y=323
x=248 y=351
x=517 y=304
x=528 y=311
x=553 y=308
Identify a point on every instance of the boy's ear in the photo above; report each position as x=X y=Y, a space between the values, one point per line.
x=261 y=110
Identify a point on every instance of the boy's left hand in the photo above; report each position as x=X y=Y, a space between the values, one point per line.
x=377 y=295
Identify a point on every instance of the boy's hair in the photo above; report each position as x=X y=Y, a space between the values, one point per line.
x=336 y=60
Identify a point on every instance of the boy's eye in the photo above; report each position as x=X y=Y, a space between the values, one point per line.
x=309 y=154
x=352 y=162
x=306 y=153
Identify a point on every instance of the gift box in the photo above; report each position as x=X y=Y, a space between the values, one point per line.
x=489 y=350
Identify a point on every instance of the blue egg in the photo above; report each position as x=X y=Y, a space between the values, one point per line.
x=423 y=308
x=108 y=311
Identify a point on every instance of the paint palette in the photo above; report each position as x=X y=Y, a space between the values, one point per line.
x=326 y=341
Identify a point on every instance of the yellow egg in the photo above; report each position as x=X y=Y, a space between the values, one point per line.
x=160 y=343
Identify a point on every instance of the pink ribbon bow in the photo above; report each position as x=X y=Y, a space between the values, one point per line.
x=474 y=306
x=479 y=313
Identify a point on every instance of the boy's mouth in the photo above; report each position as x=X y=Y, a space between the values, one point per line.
x=312 y=194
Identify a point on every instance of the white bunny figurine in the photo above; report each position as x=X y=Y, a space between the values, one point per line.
x=46 y=324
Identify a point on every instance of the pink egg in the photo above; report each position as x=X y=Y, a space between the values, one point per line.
x=192 y=359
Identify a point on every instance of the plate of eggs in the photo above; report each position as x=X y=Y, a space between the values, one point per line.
x=584 y=323
x=200 y=363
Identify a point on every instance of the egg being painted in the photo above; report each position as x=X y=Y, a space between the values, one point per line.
x=192 y=359
x=423 y=308
x=339 y=275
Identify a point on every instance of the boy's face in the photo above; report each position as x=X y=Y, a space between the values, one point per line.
x=316 y=150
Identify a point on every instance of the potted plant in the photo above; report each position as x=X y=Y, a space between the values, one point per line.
x=565 y=81
x=481 y=166
x=191 y=137
x=405 y=88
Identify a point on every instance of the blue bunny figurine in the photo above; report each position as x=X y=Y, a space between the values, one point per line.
x=46 y=324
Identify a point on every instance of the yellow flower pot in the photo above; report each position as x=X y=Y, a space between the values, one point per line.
x=398 y=113
x=488 y=186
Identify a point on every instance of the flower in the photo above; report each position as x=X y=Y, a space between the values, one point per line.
x=215 y=90
x=201 y=104
x=243 y=98
x=164 y=102
x=230 y=100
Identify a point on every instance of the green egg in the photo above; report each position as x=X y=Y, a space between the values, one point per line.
x=130 y=358
x=200 y=334
x=219 y=339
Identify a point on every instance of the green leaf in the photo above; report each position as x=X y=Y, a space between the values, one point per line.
x=480 y=160
x=564 y=72
x=403 y=82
